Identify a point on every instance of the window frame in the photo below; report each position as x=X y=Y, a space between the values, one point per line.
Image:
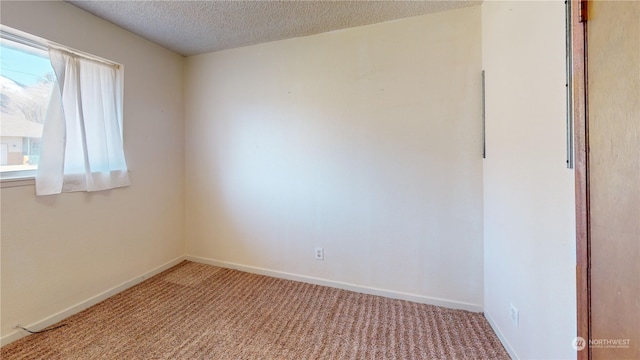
x=14 y=178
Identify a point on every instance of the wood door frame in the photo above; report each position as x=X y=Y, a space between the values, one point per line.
x=579 y=10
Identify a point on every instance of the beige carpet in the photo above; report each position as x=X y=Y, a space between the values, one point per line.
x=196 y=311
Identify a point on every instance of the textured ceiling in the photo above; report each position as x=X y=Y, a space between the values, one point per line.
x=197 y=27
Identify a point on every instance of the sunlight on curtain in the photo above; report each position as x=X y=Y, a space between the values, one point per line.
x=82 y=136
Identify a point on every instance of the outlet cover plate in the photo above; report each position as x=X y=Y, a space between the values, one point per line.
x=514 y=315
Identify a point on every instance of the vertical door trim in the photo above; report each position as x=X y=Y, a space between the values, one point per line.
x=581 y=141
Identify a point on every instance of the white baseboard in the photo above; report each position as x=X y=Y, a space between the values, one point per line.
x=452 y=304
x=503 y=339
x=41 y=324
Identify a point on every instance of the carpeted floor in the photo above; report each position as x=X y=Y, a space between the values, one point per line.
x=197 y=311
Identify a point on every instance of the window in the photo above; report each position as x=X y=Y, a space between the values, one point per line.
x=61 y=117
x=26 y=82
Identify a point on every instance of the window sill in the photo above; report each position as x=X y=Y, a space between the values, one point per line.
x=9 y=183
x=17 y=181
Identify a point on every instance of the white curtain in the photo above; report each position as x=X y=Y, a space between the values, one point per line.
x=82 y=135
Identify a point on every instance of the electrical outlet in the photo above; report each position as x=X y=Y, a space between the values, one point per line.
x=514 y=315
x=319 y=253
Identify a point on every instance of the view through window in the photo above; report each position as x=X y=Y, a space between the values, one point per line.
x=26 y=82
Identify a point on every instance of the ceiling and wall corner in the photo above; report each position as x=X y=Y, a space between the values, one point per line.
x=198 y=27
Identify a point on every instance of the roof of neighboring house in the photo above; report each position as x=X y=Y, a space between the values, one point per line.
x=18 y=126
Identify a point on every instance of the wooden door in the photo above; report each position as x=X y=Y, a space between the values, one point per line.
x=613 y=73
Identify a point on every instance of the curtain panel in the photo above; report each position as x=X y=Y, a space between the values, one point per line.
x=82 y=147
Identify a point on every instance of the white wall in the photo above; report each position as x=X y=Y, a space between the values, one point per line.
x=59 y=251
x=365 y=141
x=529 y=227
